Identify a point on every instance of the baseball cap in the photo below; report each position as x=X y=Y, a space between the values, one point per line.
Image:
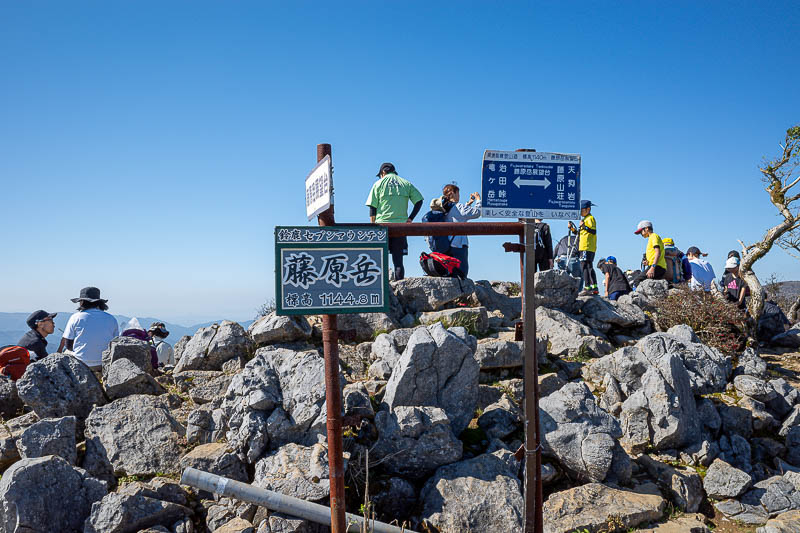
x=38 y=316
x=668 y=241
x=386 y=167
x=586 y=203
x=611 y=259
x=732 y=262
x=643 y=224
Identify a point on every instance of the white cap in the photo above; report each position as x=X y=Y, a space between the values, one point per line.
x=643 y=224
x=732 y=262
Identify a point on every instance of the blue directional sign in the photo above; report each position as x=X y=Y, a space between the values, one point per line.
x=531 y=185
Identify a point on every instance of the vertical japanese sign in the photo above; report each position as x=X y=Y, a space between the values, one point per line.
x=319 y=188
x=531 y=185
x=331 y=270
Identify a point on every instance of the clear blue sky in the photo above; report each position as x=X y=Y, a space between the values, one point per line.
x=149 y=148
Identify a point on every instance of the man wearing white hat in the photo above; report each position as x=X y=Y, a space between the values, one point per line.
x=90 y=330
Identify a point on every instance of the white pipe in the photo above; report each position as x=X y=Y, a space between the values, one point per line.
x=275 y=501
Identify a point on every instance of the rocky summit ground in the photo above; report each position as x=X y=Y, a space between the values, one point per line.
x=642 y=429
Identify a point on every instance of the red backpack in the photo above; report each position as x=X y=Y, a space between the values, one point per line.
x=13 y=361
x=440 y=265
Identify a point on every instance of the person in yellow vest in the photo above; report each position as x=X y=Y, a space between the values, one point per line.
x=656 y=260
x=587 y=246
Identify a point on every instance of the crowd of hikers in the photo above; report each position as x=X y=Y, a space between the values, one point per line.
x=87 y=334
x=90 y=330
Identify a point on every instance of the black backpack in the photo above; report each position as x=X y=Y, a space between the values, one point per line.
x=441 y=243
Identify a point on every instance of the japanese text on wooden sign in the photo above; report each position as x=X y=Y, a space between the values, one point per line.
x=319 y=188
x=331 y=269
x=531 y=185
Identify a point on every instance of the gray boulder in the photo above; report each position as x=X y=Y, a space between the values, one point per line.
x=567 y=336
x=652 y=290
x=751 y=364
x=51 y=436
x=60 y=385
x=437 y=369
x=205 y=424
x=129 y=513
x=786 y=396
x=724 y=481
x=496 y=354
x=271 y=329
x=414 y=441
x=604 y=314
x=356 y=401
x=212 y=346
x=684 y=333
x=793 y=445
x=360 y=327
x=395 y=498
x=510 y=307
x=556 y=289
x=787 y=339
x=135 y=435
x=594 y=506
x=216 y=458
x=792 y=420
x=708 y=368
x=203 y=386
x=179 y=347
x=10 y=403
x=10 y=431
x=683 y=485
x=473 y=318
x=755 y=388
x=582 y=436
x=501 y=419
x=480 y=494
x=297 y=471
x=431 y=294
x=124 y=378
x=45 y=494
x=134 y=350
x=788 y=522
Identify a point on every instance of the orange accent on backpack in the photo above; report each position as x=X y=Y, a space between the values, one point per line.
x=13 y=361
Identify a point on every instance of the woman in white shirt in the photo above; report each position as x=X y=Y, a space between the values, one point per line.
x=459 y=247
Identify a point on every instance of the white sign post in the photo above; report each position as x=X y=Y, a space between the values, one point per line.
x=319 y=188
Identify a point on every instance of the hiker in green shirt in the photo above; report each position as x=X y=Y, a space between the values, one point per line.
x=388 y=203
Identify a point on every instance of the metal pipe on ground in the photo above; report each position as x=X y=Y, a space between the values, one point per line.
x=277 y=502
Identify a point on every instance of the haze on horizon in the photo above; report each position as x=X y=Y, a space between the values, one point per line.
x=149 y=149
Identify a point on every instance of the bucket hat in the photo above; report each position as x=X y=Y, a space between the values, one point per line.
x=89 y=294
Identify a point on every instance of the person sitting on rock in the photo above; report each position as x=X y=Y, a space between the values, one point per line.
x=656 y=261
x=701 y=275
x=35 y=340
x=726 y=275
x=158 y=332
x=616 y=283
x=90 y=330
x=735 y=288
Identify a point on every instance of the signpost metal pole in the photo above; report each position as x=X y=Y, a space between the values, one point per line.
x=333 y=394
x=533 y=452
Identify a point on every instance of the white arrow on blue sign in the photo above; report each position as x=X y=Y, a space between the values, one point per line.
x=531 y=185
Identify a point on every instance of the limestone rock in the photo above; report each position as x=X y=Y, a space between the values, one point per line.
x=473 y=318
x=438 y=369
x=567 y=336
x=683 y=485
x=743 y=512
x=414 y=441
x=356 y=401
x=603 y=314
x=127 y=513
x=134 y=350
x=755 y=388
x=556 y=289
x=51 y=436
x=724 y=481
x=360 y=327
x=501 y=419
x=10 y=403
x=212 y=346
x=10 y=432
x=431 y=294
x=297 y=471
x=135 y=435
x=582 y=436
x=216 y=458
x=60 y=385
x=271 y=329
x=203 y=386
x=480 y=494
x=39 y=494
x=788 y=522
x=594 y=506
x=124 y=378
x=396 y=498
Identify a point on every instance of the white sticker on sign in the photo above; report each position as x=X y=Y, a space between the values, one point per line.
x=319 y=188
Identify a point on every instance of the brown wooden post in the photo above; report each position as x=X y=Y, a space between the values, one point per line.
x=333 y=393
x=533 y=452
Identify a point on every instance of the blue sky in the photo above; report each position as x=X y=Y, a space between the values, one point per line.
x=149 y=148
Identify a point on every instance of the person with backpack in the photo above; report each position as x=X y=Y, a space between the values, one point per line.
x=587 y=246
x=656 y=267
x=388 y=203
x=701 y=274
x=90 y=330
x=678 y=267
x=158 y=332
x=35 y=340
x=458 y=212
x=616 y=283
x=544 y=246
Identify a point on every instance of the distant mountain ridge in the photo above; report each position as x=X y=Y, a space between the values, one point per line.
x=12 y=327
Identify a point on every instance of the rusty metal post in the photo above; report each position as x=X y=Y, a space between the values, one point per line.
x=333 y=393
x=533 y=452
